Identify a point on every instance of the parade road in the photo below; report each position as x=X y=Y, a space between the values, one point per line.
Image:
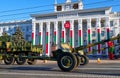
x=51 y=70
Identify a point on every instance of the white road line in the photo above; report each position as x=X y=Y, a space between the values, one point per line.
x=100 y=68
x=59 y=75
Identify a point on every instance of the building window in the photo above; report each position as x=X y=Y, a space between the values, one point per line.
x=67 y=7
x=59 y=8
x=93 y=24
x=4 y=29
x=23 y=29
x=75 y=6
x=27 y=28
x=111 y=33
x=93 y=33
x=15 y=28
x=103 y=23
x=85 y=34
x=111 y=23
x=102 y=33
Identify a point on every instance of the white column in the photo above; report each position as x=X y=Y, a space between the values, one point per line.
x=72 y=36
x=89 y=33
x=116 y=27
x=1 y=31
x=116 y=32
x=107 y=25
x=40 y=32
x=33 y=32
x=56 y=30
x=98 y=36
x=63 y=32
x=48 y=47
x=107 y=29
x=80 y=33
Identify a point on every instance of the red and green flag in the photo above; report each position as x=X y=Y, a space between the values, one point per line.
x=54 y=37
x=80 y=37
x=62 y=36
x=46 y=42
x=71 y=36
x=32 y=38
x=108 y=33
x=89 y=38
x=98 y=39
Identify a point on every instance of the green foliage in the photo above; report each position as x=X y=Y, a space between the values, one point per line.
x=18 y=39
x=5 y=37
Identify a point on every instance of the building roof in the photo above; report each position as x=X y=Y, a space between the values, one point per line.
x=13 y=22
x=80 y=11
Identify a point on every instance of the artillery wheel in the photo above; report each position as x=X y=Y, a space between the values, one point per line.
x=78 y=60
x=0 y=61
x=84 y=60
x=67 y=61
x=20 y=60
x=32 y=61
x=8 y=60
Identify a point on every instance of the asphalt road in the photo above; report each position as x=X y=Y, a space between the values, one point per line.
x=51 y=70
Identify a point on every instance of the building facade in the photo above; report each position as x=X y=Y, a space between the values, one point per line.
x=10 y=28
x=70 y=23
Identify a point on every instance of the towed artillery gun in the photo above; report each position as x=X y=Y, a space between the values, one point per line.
x=70 y=54
x=22 y=51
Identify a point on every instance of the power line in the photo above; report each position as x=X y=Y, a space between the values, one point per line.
x=99 y=2
x=49 y=5
x=37 y=11
x=45 y=10
x=24 y=8
x=25 y=13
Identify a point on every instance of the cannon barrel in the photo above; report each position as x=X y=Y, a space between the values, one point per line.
x=93 y=44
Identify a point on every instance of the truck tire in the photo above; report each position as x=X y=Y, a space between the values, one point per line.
x=20 y=60
x=32 y=61
x=9 y=60
x=67 y=61
x=84 y=60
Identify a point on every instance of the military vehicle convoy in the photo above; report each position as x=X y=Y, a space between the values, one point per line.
x=16 y=49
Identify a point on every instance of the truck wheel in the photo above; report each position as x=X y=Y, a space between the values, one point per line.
x=8 y=60
x=84 y=60
x=32 y=61
x=20 y=60
x=67 y=61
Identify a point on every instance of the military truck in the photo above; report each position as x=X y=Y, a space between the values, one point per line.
x=14 y=48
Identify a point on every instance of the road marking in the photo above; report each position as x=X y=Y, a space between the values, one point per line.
x=59 y=75
x=100 y=68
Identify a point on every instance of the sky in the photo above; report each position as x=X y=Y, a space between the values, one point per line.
x=12 y=10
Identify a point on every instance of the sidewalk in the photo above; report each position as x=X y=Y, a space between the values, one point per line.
x=105 y=61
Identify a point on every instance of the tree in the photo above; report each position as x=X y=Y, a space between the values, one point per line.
x=18 y=38
x=5 y=37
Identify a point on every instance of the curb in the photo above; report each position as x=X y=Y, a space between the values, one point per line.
x=105 y=61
